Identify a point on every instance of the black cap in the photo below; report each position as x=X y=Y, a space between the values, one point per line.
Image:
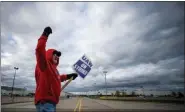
x=58 y=53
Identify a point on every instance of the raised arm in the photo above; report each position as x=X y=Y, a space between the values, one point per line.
x=41 y=49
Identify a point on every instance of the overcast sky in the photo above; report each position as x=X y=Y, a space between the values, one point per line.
x=138 y=43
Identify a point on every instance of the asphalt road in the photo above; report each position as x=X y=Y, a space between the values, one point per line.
x=85 y=104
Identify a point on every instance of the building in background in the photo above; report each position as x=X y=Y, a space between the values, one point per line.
x=64 y=94
x=7 y=91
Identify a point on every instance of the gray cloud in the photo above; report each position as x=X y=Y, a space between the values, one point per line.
x=139 y=43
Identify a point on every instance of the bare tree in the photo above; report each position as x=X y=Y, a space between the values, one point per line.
x=133 y=93
x=117 y=93
x=124 y=93
x=173 y=94
x=180 y=95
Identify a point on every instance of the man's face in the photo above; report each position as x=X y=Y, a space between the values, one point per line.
x=55 y=58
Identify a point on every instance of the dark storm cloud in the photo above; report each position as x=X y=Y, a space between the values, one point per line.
x=155 y=45
x=163 y=41
x=11 y=15
x=132 y=34
x=170 y=76
x=22 y=78
x=147 y=81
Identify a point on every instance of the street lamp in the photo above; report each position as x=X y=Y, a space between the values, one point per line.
x=24 y=90
x=95 y=90
x=15 y=68
x=143 y=90
x=105 y=72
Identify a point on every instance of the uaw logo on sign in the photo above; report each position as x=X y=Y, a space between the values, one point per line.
x=83 y=66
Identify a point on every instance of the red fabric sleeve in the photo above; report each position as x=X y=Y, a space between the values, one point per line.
x=40 y=53
x=63 y=77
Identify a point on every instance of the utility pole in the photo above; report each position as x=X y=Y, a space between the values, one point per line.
x=105 y=72
x=24 y=91
x=143 y=90
x=95 y=90
x=15 y=68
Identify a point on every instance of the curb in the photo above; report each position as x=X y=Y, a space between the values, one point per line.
x=158 y=101
x=15 y=102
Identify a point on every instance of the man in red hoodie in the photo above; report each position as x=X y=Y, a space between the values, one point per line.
x=48 y=79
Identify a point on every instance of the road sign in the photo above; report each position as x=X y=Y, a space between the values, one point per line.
x=83 y=66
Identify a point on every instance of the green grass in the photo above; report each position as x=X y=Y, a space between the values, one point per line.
x=160 y=100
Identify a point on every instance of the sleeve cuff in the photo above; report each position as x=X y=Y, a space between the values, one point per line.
x=63 y=77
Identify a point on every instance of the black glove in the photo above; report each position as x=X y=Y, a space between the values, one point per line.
x=47 y=31
x=74 y=75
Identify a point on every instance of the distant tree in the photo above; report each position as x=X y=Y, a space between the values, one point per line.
x=173 y=94
x=151 y=95
x=117 y=93
x=180 y=95
x=112 y=94
x=124 y=93
x=133 y=93
x=100 y=94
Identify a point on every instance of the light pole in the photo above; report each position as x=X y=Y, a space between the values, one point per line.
x=15 y=68
x=95 y=90
x=143 y=90
x=105 y=72
x=24 y=91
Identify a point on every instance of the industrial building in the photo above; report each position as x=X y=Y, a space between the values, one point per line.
x=7 y=91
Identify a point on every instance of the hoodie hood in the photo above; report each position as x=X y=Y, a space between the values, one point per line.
x=49 y=55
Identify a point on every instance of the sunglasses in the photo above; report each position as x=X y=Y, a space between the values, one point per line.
x=58 y=53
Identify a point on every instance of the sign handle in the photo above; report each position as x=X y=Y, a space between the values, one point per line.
x=67 y=83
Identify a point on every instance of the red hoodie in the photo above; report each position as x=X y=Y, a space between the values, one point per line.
x=48 y=80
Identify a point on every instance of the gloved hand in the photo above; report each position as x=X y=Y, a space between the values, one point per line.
x=47 y=31
x=74 y=75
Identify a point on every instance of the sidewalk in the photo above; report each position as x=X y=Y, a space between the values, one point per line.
x=8 y=99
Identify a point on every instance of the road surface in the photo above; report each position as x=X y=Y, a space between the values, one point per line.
x=83 y=104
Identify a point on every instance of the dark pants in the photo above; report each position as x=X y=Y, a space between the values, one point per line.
x=46 y=107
